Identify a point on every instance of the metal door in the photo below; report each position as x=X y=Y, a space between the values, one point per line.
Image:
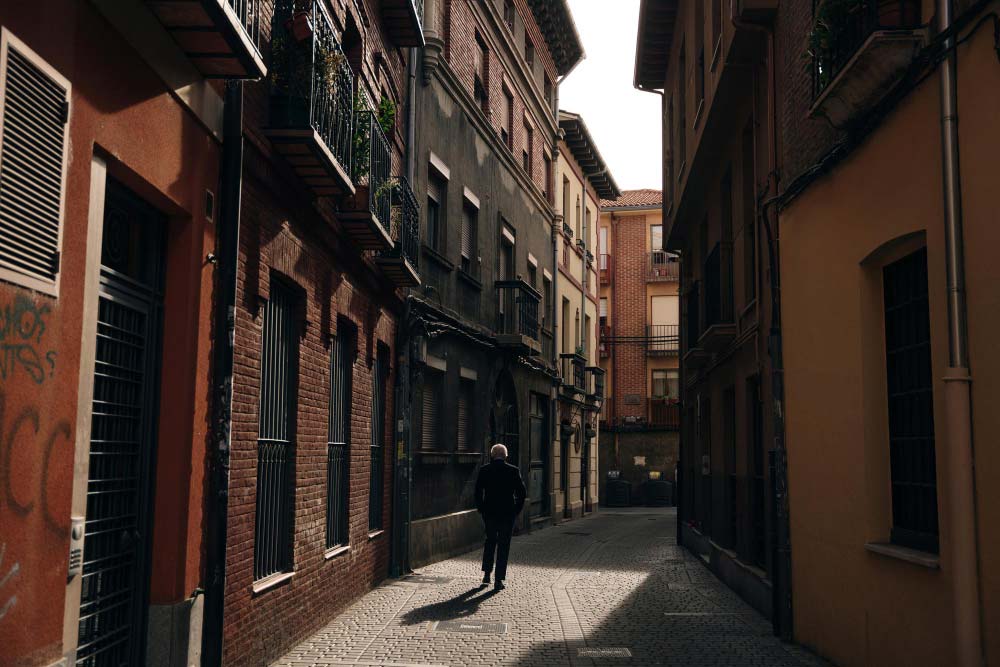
x=538 y=470
x=115 y=584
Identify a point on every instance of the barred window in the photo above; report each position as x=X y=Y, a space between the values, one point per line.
x=377 y=461
x=342 y=350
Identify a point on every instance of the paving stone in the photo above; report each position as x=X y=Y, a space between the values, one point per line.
x=619 y=591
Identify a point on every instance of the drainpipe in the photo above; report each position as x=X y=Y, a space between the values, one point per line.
x=962 y=543
x=782 y=548
x=402 y=473
x=555 y=436
x=224 y=331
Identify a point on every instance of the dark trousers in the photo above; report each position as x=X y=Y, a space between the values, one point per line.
x=498 y=533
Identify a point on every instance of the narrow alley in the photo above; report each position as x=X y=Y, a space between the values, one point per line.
x=613 y=588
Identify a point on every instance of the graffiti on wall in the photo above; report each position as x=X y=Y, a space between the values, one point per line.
x=22 y=328
x=6 y=576
x=20 y=430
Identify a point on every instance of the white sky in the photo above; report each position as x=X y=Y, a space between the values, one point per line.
x=624 y=122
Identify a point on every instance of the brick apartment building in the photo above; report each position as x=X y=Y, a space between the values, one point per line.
x=584 y=179
x=481 y=357
x=327 y=239
x=838 y=123
x=639 y=344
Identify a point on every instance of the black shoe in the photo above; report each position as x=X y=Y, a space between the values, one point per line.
x=499 y=585
x=486 y=579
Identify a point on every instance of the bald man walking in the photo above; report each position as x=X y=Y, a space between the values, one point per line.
x=500 y=497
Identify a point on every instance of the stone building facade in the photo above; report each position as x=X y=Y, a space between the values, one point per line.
x=477 y=331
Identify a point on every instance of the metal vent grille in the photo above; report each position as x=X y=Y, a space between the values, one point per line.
x=35 y=111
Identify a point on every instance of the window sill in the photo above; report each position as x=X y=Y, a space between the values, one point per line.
x=267 y=583
x=336 y=551
x=468 y=457
x=697 y=113
x=715 y=53
x=470 y=279
x=437 y=257
x=921 y=558
x=433 y=457
x=375 y=534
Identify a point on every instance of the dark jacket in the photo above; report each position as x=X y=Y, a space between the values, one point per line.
x=500 y=491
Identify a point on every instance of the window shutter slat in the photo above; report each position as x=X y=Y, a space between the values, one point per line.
x=428 y=430
x=32 y=175
x=463 y=418
x=466 y=235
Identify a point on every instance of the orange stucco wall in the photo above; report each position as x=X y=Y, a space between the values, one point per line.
x=857 y=607
x=121 y=110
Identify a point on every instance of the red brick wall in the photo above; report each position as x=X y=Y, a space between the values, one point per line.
x=628 y=312
x=461 y=56
x=283 y=233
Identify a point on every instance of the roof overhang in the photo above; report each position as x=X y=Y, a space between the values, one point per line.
x=657 y=19
x=556 y=23
x=579 y=141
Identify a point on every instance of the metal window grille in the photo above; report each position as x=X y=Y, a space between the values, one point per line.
x=911 y=403
x=377 y=474
x=34 y=117
x=339 y=435
x=429 y=424
x=279 y=368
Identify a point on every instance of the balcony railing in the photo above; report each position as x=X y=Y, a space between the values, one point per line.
x=311 y=98
x=573 y=368
x=401 y=262
x=366 y=213
x=662 y=266
x=604 y=342
x=663 y=413
x=840 y=28
x=517 y=316
x=403 y=21
x=222 y=38
x=604 y=261
x=662 y=339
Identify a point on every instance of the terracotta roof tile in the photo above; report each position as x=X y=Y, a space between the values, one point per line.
x=636 y=198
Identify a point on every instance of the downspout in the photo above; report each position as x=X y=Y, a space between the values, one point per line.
x=402 y=473
x=224 y=331
x=962 y=544
x=782 y=620
x=555 y=435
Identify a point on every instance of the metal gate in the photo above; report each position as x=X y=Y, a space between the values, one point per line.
x=115 y=583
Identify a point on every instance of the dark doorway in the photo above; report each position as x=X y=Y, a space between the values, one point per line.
x=538 y=464
x=504 y=423
x=115 y=584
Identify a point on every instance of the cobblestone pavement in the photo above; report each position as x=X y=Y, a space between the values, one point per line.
x=576 y=594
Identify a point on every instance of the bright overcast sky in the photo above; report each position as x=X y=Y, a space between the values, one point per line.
x=623 y=121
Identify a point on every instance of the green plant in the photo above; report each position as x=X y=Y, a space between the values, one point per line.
x=827 y=20
x=296 y=66
x=385 y=116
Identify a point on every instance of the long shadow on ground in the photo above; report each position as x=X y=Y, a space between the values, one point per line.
x=460 y=606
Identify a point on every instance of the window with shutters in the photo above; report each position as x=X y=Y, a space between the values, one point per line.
x=34 y=112
x=437 y=189
x=430 y=400
x=910 y=397
x=529 y=52
x=547 y=185
x=566 y=194
x=529 y=149
x=546 y=300
x=376 y=484
x=342 y=352
x=480 y=84
x=466 y=398
x=276 y=432
x=507 y=119
x=660 y=389
x=508 y=14
x=470 y=247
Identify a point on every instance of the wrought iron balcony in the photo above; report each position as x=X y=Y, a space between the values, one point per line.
x=401 y=262
x=603 y=344
x=663 y=413
x=859 y=48
x=222 y=38
x=572 y=368
x=365 y=215
x=311 y=98
x=720 y=326
x=662 y=339
x=604 y=262
x=403 y=21
x=662 y=266
x=595 y=383
x=517 y=317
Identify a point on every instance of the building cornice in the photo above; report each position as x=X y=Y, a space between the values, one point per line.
x=556 y=23
x=577 y=138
